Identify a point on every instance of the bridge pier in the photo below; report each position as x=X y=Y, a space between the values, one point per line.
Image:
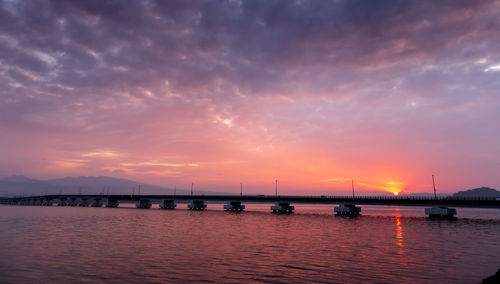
x=234 y=203
x=234 y=206
x=197 y=205
x=441 y=212
x=97 y=202
x=168 y=204
x=62 y=202
x=84 y=202
x=347 y=210
x=73 y=201
x=112 y=203
x=282 y=207
x=144 y=204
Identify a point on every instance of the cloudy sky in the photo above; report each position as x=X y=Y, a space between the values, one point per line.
x=312 y=93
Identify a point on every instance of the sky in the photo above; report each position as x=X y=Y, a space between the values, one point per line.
x=313 y=94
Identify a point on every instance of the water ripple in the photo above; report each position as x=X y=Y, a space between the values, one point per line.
x=126 y=245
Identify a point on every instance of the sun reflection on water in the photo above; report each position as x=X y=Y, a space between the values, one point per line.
x=399 y=234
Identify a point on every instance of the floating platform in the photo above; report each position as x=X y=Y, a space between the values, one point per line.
x=197 y=205
x=234 y=206
x=144 y=204
x=347 y=210
x=441 y=212
x=168 y=204
x=282 y=207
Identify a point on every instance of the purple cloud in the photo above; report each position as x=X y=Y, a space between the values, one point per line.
x=404 y=88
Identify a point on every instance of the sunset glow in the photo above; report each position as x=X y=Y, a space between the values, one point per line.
x=226 y=93
x=249 y=141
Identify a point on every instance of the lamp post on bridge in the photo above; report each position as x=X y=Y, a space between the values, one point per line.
x=434 y=185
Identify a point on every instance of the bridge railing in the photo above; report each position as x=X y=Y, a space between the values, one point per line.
x=294 y=197
x=445 y=198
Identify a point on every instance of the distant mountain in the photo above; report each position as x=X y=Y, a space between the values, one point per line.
x=16 y=178
x=10 y=188
x=478 y=192
x=114 y=185
x=22 y=186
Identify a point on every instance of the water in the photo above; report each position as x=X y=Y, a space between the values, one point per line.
x=385 y=245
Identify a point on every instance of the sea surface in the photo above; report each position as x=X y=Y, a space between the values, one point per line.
x=117 y=245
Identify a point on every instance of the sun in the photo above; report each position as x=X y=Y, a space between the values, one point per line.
x=396 y=193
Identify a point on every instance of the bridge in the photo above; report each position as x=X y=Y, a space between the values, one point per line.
x=347 y=204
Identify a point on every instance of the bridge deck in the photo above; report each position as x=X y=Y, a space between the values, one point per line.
x=358 y=200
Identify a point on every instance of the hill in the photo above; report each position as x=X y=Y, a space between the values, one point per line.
x=22 y=186
x=478 y=192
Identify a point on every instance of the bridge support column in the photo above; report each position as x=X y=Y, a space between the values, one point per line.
x=197 y=205
x=47 y=202
x=168 y=204
x=112 y=203
x=234 y=206
x=84 y=202
x=441 y=212
x=282 y=207
x=144 y=204
x=62 y=202
x=347 y=210
x=97 y=202
x=73 y=201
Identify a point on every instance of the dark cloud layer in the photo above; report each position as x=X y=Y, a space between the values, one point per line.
x=257 y=45
x=106 y=67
